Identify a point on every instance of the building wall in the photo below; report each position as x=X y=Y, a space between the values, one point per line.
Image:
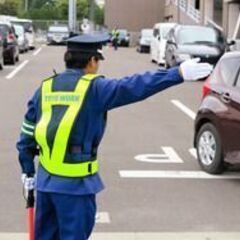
x=133 y=15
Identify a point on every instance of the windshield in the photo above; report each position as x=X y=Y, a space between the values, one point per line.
x=122 y=33
x=165 y=31
x=59 y=29
x=197 y=35
x=19 y=30
x=28 y=27
x=147 y=33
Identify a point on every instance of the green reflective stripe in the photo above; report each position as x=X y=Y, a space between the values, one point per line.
x=26 y=132
x=54 y=163
x=28 y=126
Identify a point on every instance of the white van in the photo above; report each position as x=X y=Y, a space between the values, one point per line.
x=158 y=44
x=28 y=27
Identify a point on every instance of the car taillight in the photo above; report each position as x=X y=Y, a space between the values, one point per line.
x=206 y=89
x=10 y=38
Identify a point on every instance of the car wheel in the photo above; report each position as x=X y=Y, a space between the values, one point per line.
x=1 y=65
x=209 y=149
x=17 y=58
x=13 y=60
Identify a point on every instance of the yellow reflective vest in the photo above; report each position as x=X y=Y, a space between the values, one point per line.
x=53 y=159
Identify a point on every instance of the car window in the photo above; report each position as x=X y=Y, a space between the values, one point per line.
x=155 y=32
x=4 y=29
x=58 y=29
x=191 y=35
x=165 y=31
x=229 y=68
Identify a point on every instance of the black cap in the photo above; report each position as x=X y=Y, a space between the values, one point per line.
x=88 y=43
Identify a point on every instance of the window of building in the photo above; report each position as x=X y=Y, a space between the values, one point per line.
x=197 y=4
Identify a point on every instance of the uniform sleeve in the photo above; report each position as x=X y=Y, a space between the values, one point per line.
x=27 y=146
x=115 y=93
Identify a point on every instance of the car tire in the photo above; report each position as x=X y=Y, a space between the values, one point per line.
x=13 y=60
x=1 y=65
x=17 y=58
x=209 y=149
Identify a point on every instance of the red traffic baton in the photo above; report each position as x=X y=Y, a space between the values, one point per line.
x=30 y=214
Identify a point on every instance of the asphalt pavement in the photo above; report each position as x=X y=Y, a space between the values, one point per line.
x=154 y=186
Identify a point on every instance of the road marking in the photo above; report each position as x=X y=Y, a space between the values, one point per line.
x=144 y=236
x=193 y=152
x=175 y=174
x=169 y=156
x=184 y=108
x=37 y=51
x=102 y=217
x=17 y=69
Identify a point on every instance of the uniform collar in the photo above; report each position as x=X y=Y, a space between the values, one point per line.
x=74 y=70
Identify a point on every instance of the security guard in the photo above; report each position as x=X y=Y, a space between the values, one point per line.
x=115 y=38
x=65 y=122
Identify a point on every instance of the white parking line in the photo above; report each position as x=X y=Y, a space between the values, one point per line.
x=37 y=51
x=17 y=69
x=193 y=152
x=176 y=175
x=184 y=108
x=102 y=217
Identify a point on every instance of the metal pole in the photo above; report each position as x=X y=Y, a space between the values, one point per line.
x=72 y=15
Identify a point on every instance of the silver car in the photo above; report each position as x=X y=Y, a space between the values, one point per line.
x=57 y=34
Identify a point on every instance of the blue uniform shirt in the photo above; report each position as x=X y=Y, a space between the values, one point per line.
x=104 y=94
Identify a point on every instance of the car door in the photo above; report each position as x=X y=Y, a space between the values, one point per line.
x=154 y=44
x=230 y=97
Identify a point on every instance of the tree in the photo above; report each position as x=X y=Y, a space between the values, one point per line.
x=10 y=7
x=99 y=15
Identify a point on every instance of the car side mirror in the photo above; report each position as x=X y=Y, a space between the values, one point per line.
x=231 y=42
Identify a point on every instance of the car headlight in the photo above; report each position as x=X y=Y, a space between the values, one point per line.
x=183 y=57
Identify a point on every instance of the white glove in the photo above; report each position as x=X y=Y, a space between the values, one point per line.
x=28 y=182
x=192 y=70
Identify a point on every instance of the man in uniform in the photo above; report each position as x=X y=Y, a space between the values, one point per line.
x=115 y=38
x=65 y=123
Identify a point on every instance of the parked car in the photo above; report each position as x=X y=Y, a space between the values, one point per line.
x=1 y=51
x=145 y=40
x=158 y=44
x=29 y=30
x=21 y=37
x=217 y=125
x=57 y=34
x=124 y=38
x=188 y=41
x=10 y=43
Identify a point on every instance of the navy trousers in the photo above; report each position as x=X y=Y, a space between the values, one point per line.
x=64 y=217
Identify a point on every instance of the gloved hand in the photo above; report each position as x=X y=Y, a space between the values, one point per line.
x=28 y=182
x=192 y=70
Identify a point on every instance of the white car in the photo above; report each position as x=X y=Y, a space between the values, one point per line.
x=58 y=34
x=28 y=27
x=145 y=40
x=158 y=44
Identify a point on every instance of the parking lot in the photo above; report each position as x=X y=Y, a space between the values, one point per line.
x=153 y=181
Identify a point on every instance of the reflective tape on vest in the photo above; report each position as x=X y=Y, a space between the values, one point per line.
x=53 y=160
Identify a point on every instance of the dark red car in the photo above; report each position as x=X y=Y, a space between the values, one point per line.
x=217 y=125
